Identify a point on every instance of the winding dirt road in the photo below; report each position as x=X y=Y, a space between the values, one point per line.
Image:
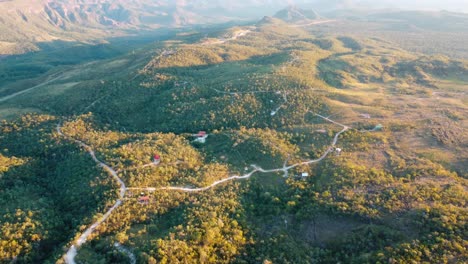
x=73 y=251
x=284 y=169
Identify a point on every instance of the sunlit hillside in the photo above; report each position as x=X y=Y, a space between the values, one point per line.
x=284 y=140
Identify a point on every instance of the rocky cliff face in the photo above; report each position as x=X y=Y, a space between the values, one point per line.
x=24 y=23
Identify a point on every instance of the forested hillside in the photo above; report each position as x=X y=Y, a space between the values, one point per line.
x=319 y=149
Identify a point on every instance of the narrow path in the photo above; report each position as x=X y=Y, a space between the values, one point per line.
x=315 y=23
x=8 y=97
x=284 y=169
x=94 y=103
x=285 y=97
x=336 y=123
x=73 y=251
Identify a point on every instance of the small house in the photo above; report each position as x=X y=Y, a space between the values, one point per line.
x=144 y=200
x=366 y=116
x=338 y=151
x=305 y=175
x=201 y=134
x=156 y=159
x=201 y=137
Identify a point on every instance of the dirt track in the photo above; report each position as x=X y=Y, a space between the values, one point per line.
x=73 y=250
x=8 y=97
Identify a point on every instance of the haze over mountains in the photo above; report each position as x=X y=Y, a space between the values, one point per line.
x=24 y=23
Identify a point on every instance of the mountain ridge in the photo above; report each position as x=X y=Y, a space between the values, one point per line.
x=295 y=14
x=25 y=24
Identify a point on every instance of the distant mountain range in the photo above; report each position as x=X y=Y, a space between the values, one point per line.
x=26 y=23
x=23 y=23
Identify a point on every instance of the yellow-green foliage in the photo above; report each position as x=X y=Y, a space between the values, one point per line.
x=19 y=231
x=189 y=56
x=50 y=185
x=180 y=163
x=302 y=66
x=390 y=196
x=381 y=63
x=265 y=147
x=7 y=162
x=210 y=234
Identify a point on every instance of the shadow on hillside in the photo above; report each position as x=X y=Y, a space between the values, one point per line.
x=56 y=54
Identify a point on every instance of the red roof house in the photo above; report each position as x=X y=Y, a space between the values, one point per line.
x=144 y=199
x=156 y=159
x=201 y=134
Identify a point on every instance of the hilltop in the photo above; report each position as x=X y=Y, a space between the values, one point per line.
x=295 y=14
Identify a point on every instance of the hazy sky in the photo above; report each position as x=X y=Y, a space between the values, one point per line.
x=450 y=5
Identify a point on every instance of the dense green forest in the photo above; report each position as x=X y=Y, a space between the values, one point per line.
x=396 y=193
x=38 y=213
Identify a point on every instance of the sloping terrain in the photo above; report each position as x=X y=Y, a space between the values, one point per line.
x=320 y=148
x=427 y=32
x=25 y=24
x=438 y=21
x=294 y=14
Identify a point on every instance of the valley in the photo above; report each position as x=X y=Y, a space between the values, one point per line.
x=321 y=145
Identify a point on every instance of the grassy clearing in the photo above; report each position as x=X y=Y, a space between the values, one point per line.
x=11 y=113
